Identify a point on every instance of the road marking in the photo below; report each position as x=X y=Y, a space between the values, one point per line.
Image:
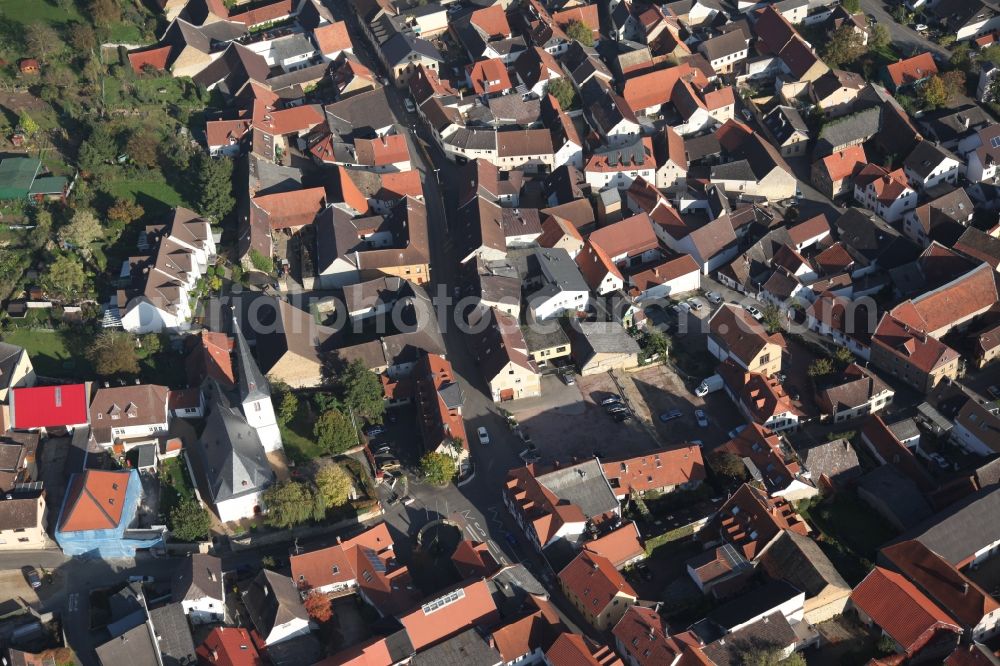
x=468 y=528
x=495 y=515
x=480 y=529
x=74 y=602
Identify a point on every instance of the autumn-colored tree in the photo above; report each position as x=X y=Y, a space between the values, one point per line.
x=142 y=147
x=933 y=93
x=954 y=83
x=125 y=211
x=318 y=606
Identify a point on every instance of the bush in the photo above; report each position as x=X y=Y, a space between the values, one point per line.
x=260 y=262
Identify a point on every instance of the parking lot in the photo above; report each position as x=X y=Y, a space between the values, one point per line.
x=565 y=430
x=662 y=391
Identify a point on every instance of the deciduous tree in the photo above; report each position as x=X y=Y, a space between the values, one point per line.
x=64 y=279
x=82 y=230
x=124 y=212
x=438 y=468
x=820 y=367
x=289 y=504
x=42 y=41
x=580 y=32
x=563 y=91
x=318 y=606
x=105 y=12
x=933 y=93
x=879 y=37
x=954 y=84
x=845 y=45
x=727 y=464
x=82 y=37
x=361 y=391
x=335 y=432
x=288 y=407
x=113 y=353
x=333 y=485
x=27 y=123
x=142 y=147
x=190 y=521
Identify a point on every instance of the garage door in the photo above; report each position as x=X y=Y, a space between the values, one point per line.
x=506 y=394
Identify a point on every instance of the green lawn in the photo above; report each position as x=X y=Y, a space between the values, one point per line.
x=30 y=11
x=53 y=353
x=175 y=486
x=297 y=436
x=152 y=193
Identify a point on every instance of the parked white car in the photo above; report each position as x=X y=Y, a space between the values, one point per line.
x=484 y=437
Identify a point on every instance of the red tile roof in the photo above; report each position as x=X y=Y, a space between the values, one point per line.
x=316 y=568
x=595 y=264
x=333 y=37
x=643 y=634
x=539 y=505
x=94 y=501
x=286 y=210
x=888 y=186
x=489 y=76
x=620 y=546
x=437 y=419
x=656 y=470
x=716 y=99
x=763 y=448
x=294 y=120
x=211 y=356
x=665 y=271
x=845 y=163
x=382 y=151
x=952 y=304
x=473 y=559
x=49 y=406
x=156 y=57
x=264 y=14
x=911 y=70
x=575 y=650
x=587 y=15
x=492 y=21
x=531 y=632
x=225 y=132
x=450 y=613
x=229 y=646
x=750 y=519
x=900 y=609
x=629 y=237
x=920 y=350
x=952 y=590
x=657 y=88
x=594 y=581
x=350 y=192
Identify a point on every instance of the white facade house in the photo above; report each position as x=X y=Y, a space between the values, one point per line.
x=559 y=285
x=199 y=587
x=930 y=165
x=183 y=254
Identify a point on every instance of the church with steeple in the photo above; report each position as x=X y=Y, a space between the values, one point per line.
x=254 y=393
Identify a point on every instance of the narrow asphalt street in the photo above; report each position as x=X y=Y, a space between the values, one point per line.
x=904 y=37
x=477 y=505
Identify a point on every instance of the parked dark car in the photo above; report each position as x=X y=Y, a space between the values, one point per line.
x=31 y=576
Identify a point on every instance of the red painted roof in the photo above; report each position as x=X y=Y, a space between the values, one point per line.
x=49 y=406
x=94 y=501
x=844 y=163
x=228 y=646
x=619 y=546
x=900 y=609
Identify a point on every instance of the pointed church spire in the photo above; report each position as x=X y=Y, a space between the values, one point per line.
x=249 y=380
